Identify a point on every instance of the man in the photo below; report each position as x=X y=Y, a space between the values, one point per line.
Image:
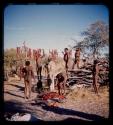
x=39 y=86
x=95 y=76
x=39 y=64
x=84 y=61
x=66 y=58
x=77 y=58
x=28 y=75
x=20 y=71
x=60 y=83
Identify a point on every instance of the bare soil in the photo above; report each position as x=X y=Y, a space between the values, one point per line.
x=82 y=104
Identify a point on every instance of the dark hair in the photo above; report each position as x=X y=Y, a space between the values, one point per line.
x=77 y=49
x=60 y=77
x=65 y=48
x=27 y=63
x=84 y=60
x=95 y=61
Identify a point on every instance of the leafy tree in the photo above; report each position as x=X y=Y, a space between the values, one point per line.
x=10 y=57
x=95 y=38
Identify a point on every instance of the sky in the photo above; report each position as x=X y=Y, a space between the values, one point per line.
x=49 y=26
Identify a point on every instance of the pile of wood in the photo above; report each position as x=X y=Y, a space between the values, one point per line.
x=80 y=76
x=103 y=72
x=84 y=75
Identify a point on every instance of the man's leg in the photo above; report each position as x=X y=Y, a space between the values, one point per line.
x=61 y=88
x=25 y=90
x=64 y=87
x=74 y=63
x=95 y=85
x=29 y=86
x=95 y=88
x=58 y=85
x=78 y=64
x=40 y=71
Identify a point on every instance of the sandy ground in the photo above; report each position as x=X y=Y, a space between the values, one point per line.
x=82 y=104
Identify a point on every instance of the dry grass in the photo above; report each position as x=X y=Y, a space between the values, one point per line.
x=88 y=93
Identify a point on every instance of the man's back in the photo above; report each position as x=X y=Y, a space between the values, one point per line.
x=28 y=72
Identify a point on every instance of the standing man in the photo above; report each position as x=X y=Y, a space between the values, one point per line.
x=28 y=75
x=95 y=76
x=20 y=71
x=39 y=64
x=77 y=58
x=66 y=58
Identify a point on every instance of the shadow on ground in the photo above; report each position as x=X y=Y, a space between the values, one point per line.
x=17 y=86
x=10 y=93
x=63 y=111
x=15 y=106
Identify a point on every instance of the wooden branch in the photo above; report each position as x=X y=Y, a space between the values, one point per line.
x=79 y=70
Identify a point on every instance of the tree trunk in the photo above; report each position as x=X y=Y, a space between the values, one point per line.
x=94 y=53
x=93 y=56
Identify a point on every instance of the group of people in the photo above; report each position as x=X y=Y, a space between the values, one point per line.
x=28 y=74
x=76 y=58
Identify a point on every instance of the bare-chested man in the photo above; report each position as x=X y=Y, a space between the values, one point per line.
x=95 y=76
x=28 y=75
x=39 y=64
x=60 y=83
x=66 y=58
x=77 y=58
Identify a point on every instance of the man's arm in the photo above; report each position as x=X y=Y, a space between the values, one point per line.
x=32 y=73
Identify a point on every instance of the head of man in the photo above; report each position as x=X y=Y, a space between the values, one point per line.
x=27 y=63
x=95 y=61
x=66 y=50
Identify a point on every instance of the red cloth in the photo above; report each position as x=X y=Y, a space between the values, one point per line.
x=52 y=95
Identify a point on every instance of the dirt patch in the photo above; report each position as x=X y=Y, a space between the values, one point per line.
x=83 y=104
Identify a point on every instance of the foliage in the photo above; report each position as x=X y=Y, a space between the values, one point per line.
x=9 y=57
x=95 y=38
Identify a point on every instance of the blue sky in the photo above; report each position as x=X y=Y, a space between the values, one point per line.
x=49 y=26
